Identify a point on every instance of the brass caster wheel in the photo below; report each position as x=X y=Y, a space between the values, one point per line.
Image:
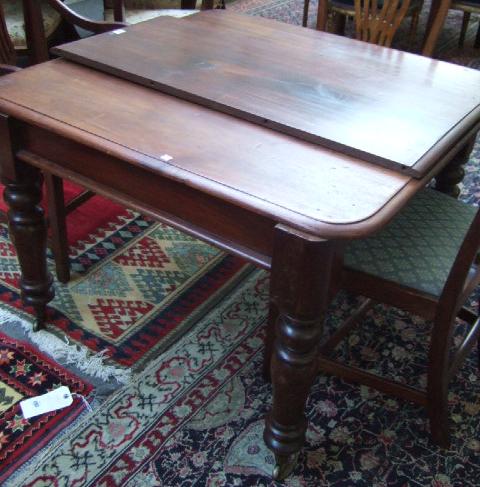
x=284 y=466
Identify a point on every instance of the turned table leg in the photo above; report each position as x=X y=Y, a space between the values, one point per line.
x=448 y=179
x=301 y=271
x=28 y=231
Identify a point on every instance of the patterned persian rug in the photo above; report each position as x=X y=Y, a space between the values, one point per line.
x=194 y=417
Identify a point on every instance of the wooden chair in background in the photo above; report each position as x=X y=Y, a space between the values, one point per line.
x=424 y=262
x=14 y=19
x=468 y=7
x=117 y=16
x=377 y=23
x=340 y=10
x=7 y=50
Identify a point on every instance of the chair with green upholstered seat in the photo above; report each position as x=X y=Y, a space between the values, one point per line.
x=424 y=262
x=418 y=249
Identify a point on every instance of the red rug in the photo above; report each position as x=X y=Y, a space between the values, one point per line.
x=26 y=372
x=136 y=286
x=95 y=213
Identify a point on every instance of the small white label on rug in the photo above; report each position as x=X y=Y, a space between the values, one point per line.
x=56 y=399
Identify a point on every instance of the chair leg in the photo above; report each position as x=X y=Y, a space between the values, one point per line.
x=438 y=379
x=478 y=352
x=58 y=226
x=306 y=5
x=437 y=403
x=477 y=37
x=478 y=300
x=463 y=31
x=438 y=418
x=413 y=28
x=338 y=23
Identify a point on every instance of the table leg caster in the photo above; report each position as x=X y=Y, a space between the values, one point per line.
x=40 y=317
x=284 y=466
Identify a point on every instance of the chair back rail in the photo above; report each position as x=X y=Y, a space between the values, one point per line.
x=378 y=25
x=97 y=27
x=35 y=32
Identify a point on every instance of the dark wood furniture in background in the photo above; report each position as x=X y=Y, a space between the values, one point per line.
x=7 y=52
x=283 y=203
x=436 y=19
x=35 y=31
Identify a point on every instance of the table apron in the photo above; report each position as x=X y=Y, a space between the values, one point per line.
x=223 y=224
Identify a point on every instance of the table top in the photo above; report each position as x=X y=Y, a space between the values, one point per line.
x=392 y=108
x=287 y=179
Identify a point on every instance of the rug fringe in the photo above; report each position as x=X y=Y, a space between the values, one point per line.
x=69 y=353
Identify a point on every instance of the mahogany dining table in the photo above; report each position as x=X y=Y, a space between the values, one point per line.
x=273 y=142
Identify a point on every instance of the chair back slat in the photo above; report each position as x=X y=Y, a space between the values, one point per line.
x=7 y=51
x=378 y=25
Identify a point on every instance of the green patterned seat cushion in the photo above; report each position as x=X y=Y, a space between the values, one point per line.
x=418 y=248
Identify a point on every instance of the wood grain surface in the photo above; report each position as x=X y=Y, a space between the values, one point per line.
x=270 y=173
x=384 y=106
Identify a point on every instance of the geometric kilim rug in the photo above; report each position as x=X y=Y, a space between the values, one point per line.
x=26 y=372
x=135 y=288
